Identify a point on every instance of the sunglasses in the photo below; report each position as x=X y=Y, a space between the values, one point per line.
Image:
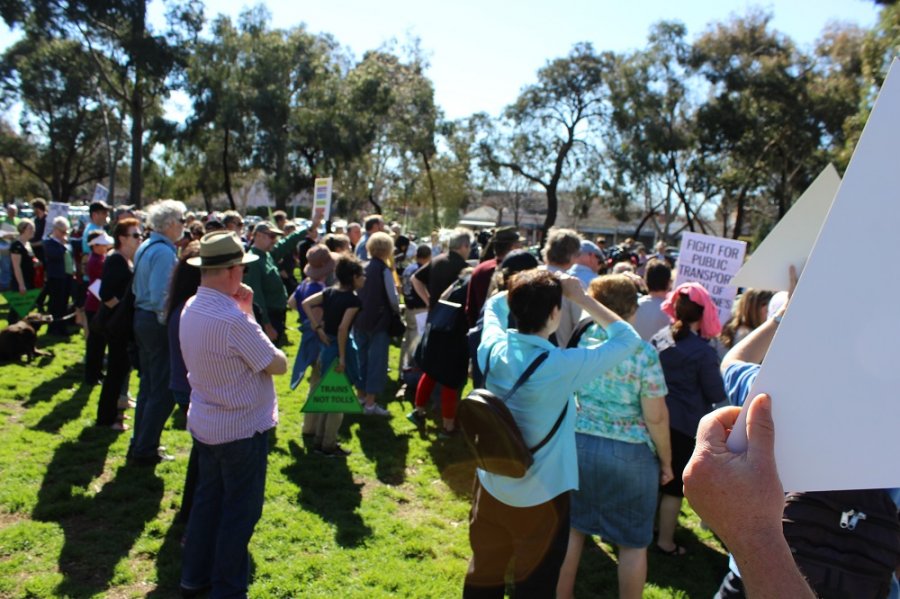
x=243 y=267
x=132 y=235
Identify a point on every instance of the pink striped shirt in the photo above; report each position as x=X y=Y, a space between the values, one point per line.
x=225 y=352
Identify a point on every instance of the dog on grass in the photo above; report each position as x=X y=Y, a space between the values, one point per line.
x=20 y=339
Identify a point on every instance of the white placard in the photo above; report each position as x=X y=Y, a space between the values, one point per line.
x=100 y=194
x=322 y=198
x=792 y=239
x=831 y=369
x=55 y=209
x=94 y=288
x=712 y=262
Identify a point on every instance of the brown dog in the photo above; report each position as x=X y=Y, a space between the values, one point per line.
x=20 y=339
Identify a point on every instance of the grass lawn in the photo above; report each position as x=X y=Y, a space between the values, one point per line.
x=390 y=521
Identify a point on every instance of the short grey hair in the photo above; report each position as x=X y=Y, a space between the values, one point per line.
x=163 y=213
x=61 y=222
x=459 y=238
x=562 y=246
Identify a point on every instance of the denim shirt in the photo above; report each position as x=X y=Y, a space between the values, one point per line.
x=538 y=403
x=153 y=269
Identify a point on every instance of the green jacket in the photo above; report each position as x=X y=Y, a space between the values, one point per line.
x=264 y=279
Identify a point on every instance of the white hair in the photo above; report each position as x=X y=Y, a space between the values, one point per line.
x=163 y=213
x=459 y=238
x=61 y=222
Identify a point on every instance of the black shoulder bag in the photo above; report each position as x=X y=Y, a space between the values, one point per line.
x=491 y=431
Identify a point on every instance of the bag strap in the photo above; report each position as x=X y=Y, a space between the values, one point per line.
x=552 y=430
x=524 y=377
x=580 y=329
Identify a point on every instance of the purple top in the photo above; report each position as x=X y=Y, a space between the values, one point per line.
x=226 y=353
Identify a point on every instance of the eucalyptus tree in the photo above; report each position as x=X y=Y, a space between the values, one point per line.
x=759 y=125
x=61 y=128
x=136 y=64
x=541 y=135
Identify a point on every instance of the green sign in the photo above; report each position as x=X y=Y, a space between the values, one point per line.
x=22 y=303
x=333 y=394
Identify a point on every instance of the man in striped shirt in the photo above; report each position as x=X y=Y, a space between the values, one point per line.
x=230 y=363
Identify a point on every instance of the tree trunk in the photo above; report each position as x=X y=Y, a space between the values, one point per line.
x=434 y=203
x=138 y=30
x=225 y=171
x=374 y=203
x=552 y=207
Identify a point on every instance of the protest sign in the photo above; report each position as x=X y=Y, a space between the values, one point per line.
x=322 y=198
x=712 y=262
x=53 y=210
x=831 y=369
x=792 y=239
x=100 y=194
x=334 y=393
x=22 y=303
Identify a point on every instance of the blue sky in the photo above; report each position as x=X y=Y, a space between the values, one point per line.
x=482 y=52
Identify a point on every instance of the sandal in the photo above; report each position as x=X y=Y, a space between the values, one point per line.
x=677 y=551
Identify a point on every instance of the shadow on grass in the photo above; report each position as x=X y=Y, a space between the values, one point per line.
x=327 y=489
x=378 y=441
x=64 y=411
x=67 y=379
x=99 y=530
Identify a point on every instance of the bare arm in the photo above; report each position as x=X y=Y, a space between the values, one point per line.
x=574 y=292
x=315 y=316
x=717 y=484
x=656 y=417
x=754 y=346
x=343 y=335
x=278 y=365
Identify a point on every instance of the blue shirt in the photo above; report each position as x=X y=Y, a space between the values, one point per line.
x=361 y=252
x=583 y=274
x=153 y=265
x=538 y=403
x=739 y=377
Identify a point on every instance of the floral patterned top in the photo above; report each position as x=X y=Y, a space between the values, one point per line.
x=610 y=405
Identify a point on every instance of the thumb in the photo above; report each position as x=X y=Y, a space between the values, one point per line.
x=760 y=429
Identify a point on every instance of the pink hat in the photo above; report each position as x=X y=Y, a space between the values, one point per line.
x=709 y=324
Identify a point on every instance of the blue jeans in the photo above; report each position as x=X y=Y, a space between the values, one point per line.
x=228 y=502
x=155 y=400
x=372 y=350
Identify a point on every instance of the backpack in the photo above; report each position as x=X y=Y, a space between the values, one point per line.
x=846 y=543
x=491 y=432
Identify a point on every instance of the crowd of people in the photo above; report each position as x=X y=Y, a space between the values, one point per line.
x=629 y=368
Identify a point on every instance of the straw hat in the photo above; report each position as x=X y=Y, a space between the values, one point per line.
x=221 y=249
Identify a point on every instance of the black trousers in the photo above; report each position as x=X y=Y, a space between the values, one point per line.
x=536 y=537
x=117 y=368
x=94 y=348
x=58 y=293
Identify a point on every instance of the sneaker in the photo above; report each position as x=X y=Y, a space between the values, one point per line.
x=417 y=418
x=336 y=452
x=375 y=410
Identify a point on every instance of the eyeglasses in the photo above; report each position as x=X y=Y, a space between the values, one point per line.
x=133 y=235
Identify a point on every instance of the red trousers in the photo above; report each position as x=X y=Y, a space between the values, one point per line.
x=448 y=396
